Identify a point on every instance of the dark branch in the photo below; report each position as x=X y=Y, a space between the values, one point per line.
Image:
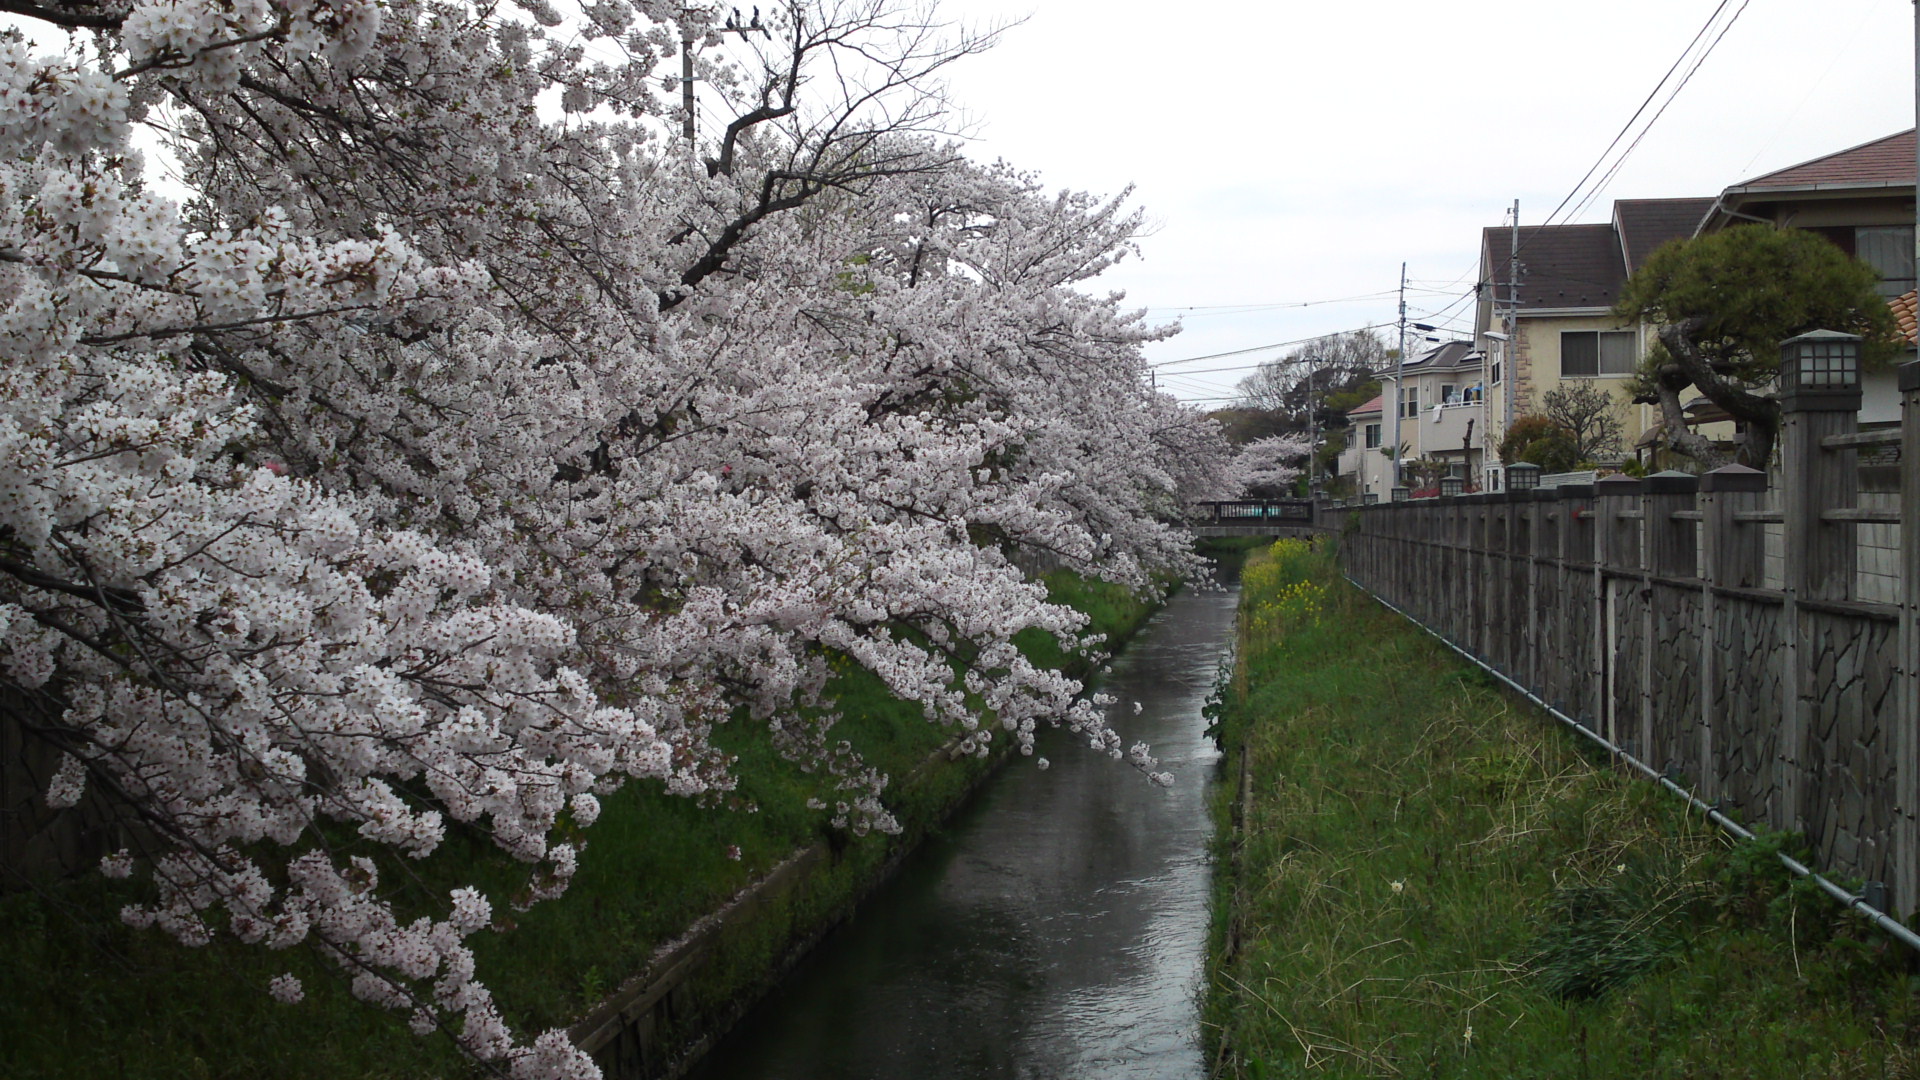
x=122 y=600
x=72 y=14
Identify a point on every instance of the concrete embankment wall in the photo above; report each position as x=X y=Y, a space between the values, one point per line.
x=698 y=986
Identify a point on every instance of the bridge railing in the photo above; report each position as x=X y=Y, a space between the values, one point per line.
x=1254 y=512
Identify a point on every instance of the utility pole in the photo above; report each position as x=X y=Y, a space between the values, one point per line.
x=686 y=82
x=733 y=26
x=1399 y=383
x=1513 y=329
x=1313 y=430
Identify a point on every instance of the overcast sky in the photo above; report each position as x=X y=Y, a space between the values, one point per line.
x=1292 y=152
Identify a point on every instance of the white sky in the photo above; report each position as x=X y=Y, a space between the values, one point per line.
x=1296 y=151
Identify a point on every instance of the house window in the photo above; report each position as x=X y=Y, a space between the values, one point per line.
x=1493 y=373
x=1373 y=436
x=1449 y=393
x=1409 y=402
x=1587 y=353
x=1889 y=250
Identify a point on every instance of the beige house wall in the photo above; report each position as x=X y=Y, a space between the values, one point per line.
x=1539 y=369
x=1423 y=435
x=1367 y=468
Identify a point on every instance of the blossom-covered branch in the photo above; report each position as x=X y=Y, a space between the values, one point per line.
x=461 y=449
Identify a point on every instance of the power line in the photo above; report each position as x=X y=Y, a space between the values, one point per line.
x=1231 y=308
x=1613 y=170
x=1794 y=114
x=1607 y=179
x=1223 y=370
x=1628 y=126
x=1263 y=348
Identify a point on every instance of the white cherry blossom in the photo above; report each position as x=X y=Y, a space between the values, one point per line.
x=462 y=448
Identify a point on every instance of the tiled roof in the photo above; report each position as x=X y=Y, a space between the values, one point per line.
x=1372 y=406
x=1561 y=266
x=1645 y=224
x=1447 y=354
x=1882 y=161
x=1906 y=312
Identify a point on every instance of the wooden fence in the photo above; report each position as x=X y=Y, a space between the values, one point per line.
x=1647 y=610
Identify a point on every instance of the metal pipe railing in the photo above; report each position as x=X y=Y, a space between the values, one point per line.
x=1854 y=901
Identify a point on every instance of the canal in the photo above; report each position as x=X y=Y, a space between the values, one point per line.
x=1056 y=928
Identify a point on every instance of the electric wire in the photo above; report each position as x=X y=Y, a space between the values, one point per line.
x=1611 y=173
x=1263 y=348
x=1794 y=114
x=1614 y=169
x=1628 y=126
x=1266 y=306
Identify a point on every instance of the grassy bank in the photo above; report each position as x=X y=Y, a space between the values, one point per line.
x=1419 y=877
x=82 y=995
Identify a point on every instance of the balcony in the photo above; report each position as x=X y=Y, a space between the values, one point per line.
x=1446 y=428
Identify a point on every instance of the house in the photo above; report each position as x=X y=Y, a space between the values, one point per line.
x=1440 y=409
x=1862 y=199
x=1545 y=313
x=1363 y=465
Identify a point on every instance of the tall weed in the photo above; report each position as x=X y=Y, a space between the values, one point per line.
x=1422 y=877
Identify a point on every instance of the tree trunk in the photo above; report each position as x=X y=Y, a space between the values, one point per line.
x=1758 y=415
x=1676 y=432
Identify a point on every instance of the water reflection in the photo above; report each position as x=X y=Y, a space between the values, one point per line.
x=1057 y=929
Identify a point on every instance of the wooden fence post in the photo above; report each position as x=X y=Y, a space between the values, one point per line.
x=1820 y=555
x=1733 y=556
x=1526 y=549
x=1550 y=598
x=1454 y=603
x=1735 y=551
x=1672 y=557
x=1906 y=736
x=1486 y=590
x=1671 y=542
x=1580 y=681
x=1617 y=550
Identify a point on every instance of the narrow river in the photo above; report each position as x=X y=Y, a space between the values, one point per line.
x=1056 y=929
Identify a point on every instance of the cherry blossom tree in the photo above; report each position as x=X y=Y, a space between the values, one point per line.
x=462 y=446
x=1268 y=464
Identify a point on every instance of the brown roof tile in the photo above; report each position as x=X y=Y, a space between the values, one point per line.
x=1645 y=224
x=1883 y=161
x=1561 y=266
x=1372 y=406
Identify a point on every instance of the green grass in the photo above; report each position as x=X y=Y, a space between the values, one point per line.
x=83 y=995
x=1431 y=880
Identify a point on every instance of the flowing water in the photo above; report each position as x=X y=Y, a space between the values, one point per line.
x=1057 y=928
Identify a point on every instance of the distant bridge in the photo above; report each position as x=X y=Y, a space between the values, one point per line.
x=1253 y=517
